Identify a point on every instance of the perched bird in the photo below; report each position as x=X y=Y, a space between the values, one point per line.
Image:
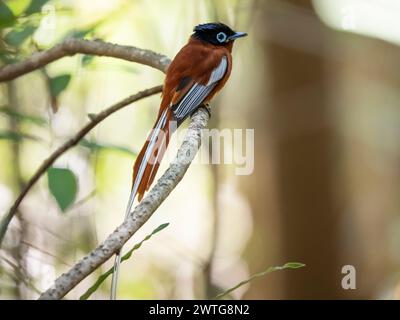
x=199 y=70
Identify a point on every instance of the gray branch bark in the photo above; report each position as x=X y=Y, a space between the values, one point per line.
x=73 y=46
x=139 y=216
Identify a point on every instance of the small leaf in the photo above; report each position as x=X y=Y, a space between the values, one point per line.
x=16 y=37
x=159 y=228
x=110 y=271
x=59 y=84
x=35 y=6
x=91 y=116
x=87 y=59
x=293 y=265
x=63 y=186
x=79 y=34
x=7 y=17
x=289 y=265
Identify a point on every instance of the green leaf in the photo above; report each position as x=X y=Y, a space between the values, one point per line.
x=97 y=146
x=23 y=117
x=17 y=6
x=7 y=17
x=87 y=60
x=92 y=116
x=63 y=186
x=8 y=58
x=35 y=6
x=79 y=34
x=16 y=37
x=110 y=271
x=293 y=265
x=16 y=136
x=59 y=84
x=289 y=265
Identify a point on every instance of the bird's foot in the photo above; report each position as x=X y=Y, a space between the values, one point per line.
x=208 y=108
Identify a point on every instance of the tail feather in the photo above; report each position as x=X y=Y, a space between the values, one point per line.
x=149 y=158
x=162 y=147
x=144 y=172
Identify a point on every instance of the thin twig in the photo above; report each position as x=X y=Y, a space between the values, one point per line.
x=33 y=246
x=73 y=46
x=95 y=120
x=20 y=275
x=114 y=242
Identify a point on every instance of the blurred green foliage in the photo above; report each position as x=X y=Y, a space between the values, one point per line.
x=18 y=35
x=98 y=146
x=35 y=6
x=7 y=18
x=16 y=136
x=110 y=271
x=23 y=117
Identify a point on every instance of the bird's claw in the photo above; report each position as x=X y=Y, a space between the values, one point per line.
x=208 y=108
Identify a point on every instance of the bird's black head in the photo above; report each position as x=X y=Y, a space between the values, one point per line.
x=216 y=33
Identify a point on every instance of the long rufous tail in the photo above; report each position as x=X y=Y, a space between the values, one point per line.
x=149 y=158
x=144 y=172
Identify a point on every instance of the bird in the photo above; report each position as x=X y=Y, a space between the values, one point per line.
x=196 y=74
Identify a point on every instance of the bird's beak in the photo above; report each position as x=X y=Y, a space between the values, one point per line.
x=237 y=35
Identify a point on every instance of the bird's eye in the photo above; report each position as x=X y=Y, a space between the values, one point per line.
x=221 y=37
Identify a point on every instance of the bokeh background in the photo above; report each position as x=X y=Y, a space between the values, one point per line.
x=317 y=80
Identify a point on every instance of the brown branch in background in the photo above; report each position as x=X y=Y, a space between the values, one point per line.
x=95 y=120
x=139 y=216
x=73 y=46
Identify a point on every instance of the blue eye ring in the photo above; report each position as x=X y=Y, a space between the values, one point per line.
x=221 y=37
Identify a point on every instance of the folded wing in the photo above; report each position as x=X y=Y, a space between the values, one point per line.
x=197 y=93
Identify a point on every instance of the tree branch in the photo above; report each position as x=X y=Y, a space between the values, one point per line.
x=68 y=145
x=139 y=216
x=73 y=46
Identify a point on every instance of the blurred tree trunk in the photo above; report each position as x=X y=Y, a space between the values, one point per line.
x=303 y=155
x=305 y=160
x=317 y=197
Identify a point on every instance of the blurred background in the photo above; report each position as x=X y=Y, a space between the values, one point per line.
x=317 y=80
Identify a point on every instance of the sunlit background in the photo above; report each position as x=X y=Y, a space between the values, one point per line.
x=318 y=81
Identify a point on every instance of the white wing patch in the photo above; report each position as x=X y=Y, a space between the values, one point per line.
x=198 y=92
x=219 y=72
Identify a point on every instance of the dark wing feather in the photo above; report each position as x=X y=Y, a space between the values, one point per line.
x=183 y=83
